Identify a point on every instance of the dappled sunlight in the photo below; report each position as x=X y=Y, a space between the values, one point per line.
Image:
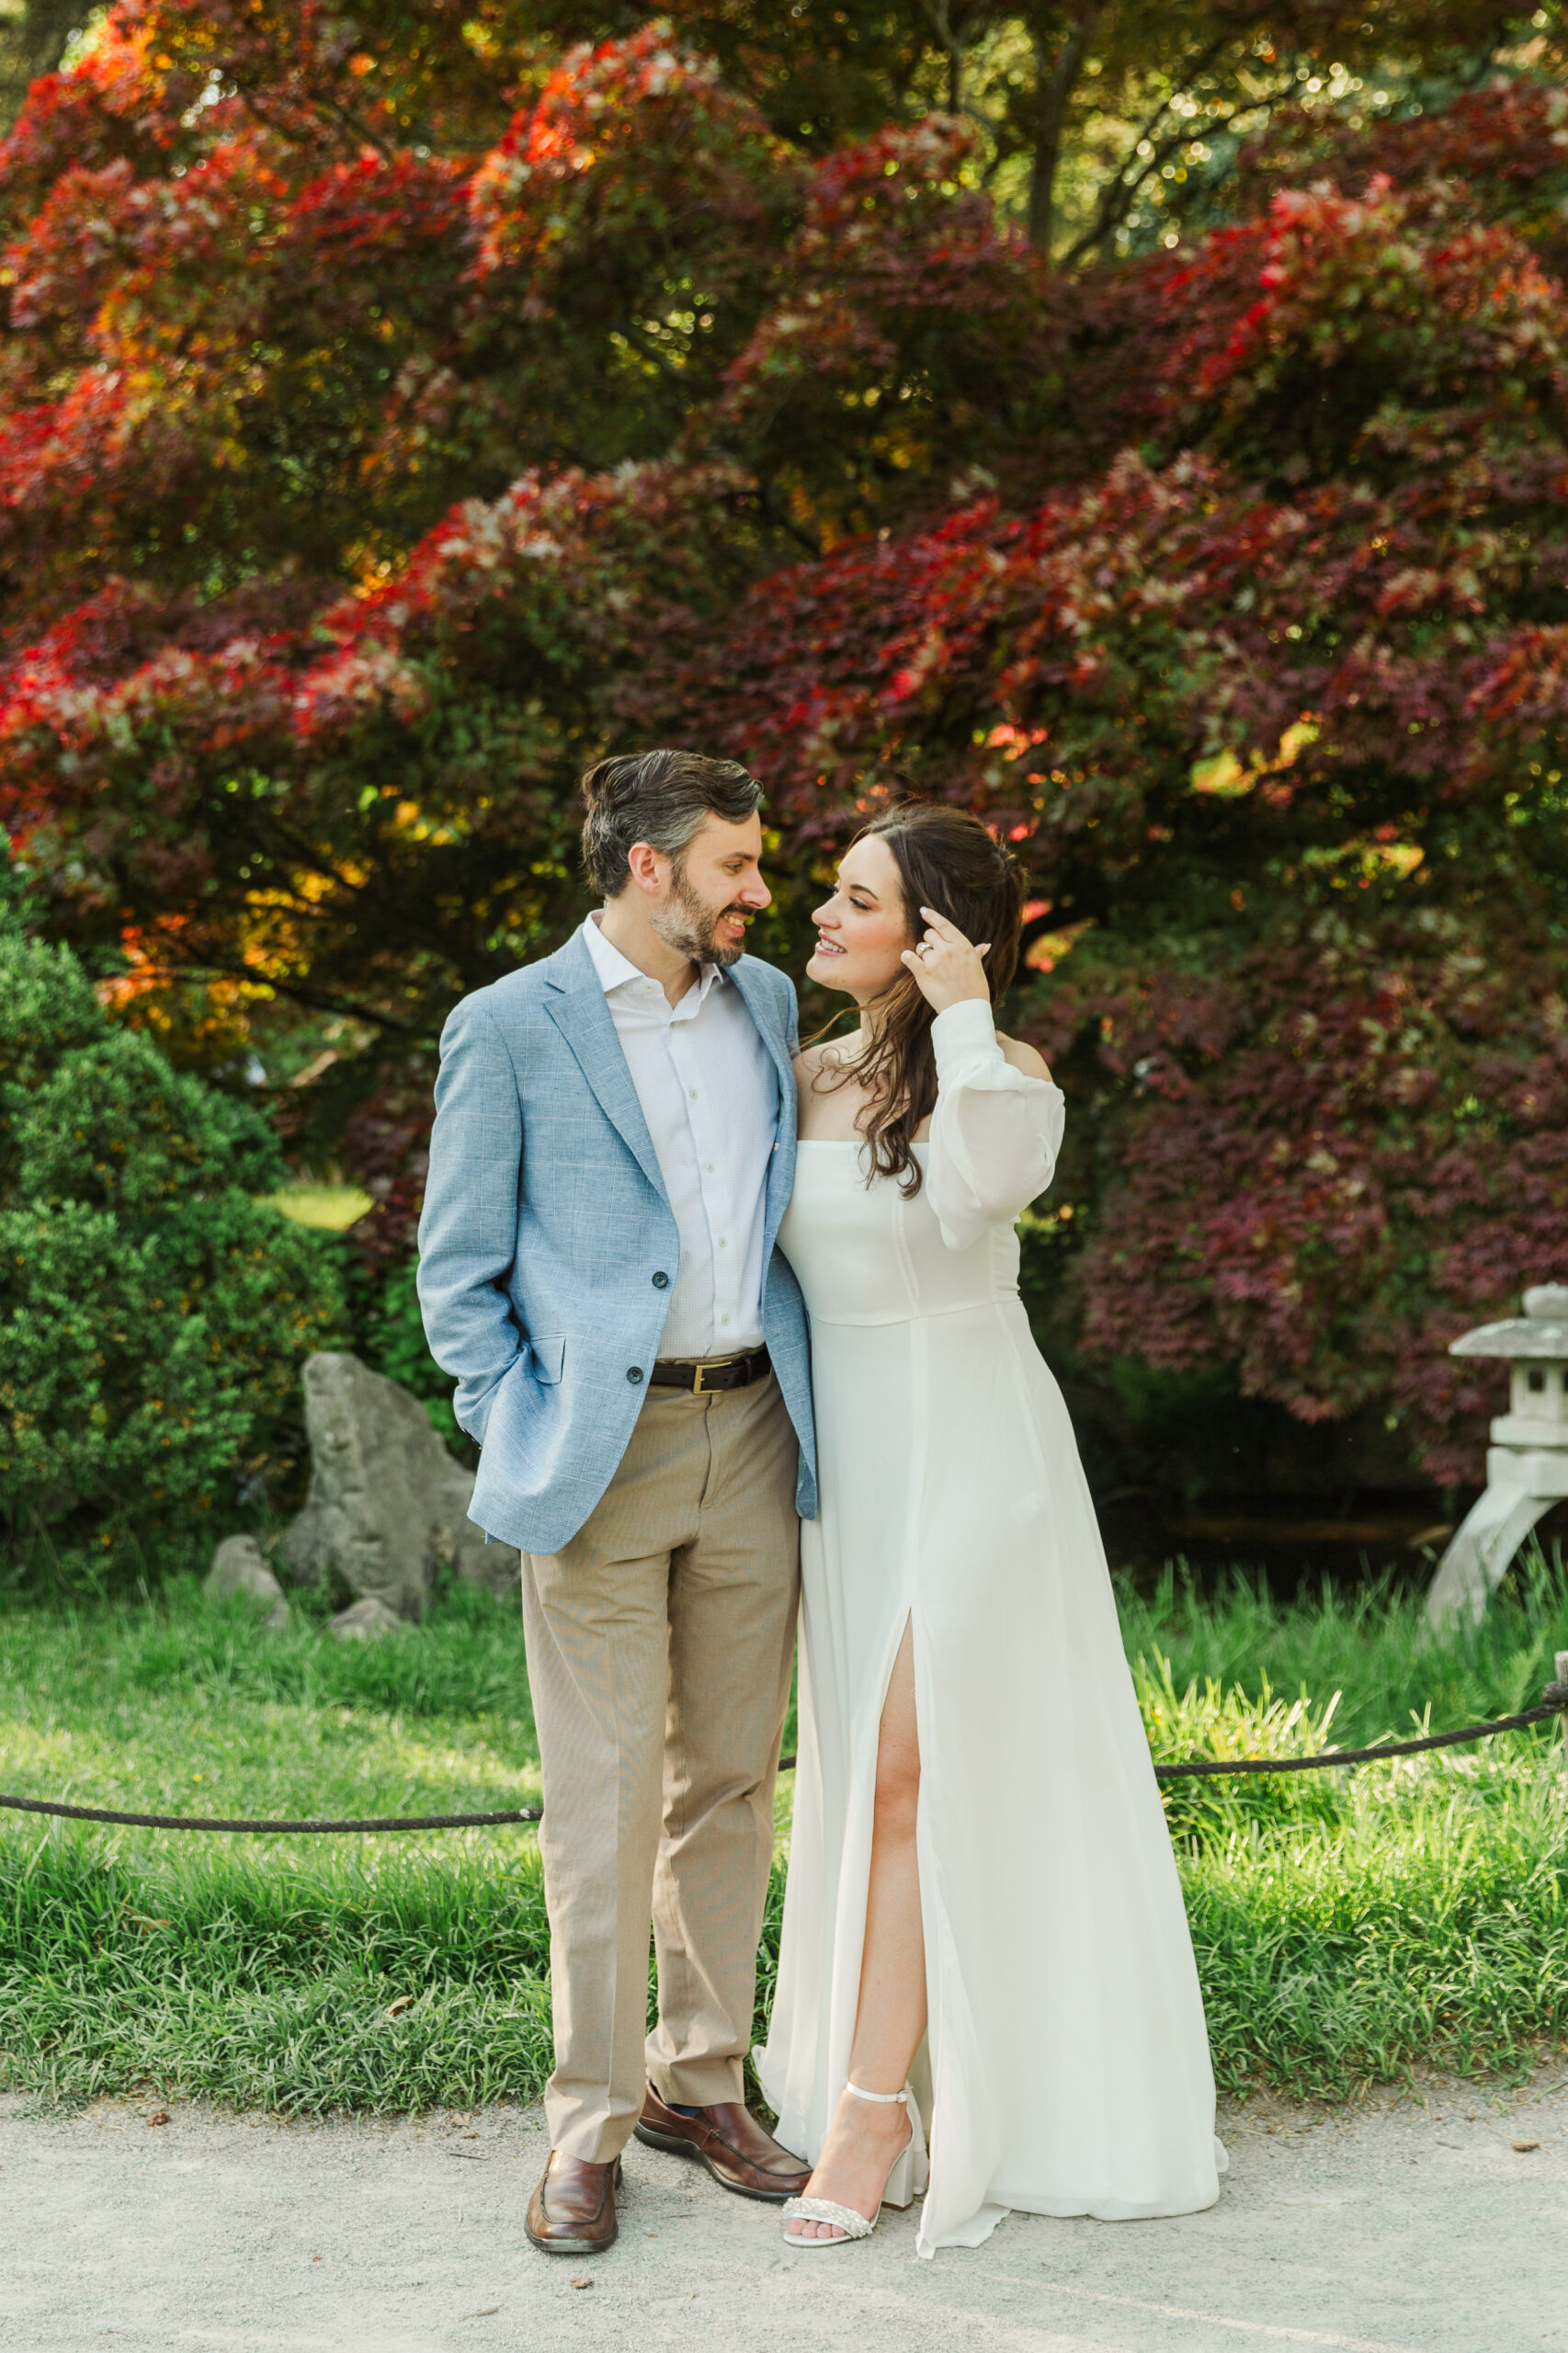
x=168 y=1711
x=156 y=1757
x=332 y=1208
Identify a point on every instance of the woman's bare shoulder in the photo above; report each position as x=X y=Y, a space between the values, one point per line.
x=1025 y=1058
x=811 y=1065
x=826 y=1054
x=810 y=1059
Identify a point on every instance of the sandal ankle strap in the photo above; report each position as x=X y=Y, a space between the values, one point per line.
x=883 y=2100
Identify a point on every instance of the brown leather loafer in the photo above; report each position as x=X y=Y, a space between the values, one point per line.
x=573 y=2211
x=729 y=2142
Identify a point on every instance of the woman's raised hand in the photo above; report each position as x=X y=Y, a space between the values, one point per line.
x=946 y=967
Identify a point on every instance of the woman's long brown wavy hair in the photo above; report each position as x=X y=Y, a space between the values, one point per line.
x=946 y=859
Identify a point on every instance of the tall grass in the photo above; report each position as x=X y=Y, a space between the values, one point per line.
x=1432 y=1927
x=1346 y=1923
x=1369 y=1643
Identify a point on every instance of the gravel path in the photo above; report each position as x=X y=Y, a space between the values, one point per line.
x=1406 y=2227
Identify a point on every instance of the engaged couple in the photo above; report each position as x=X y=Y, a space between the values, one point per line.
x=737 y=1327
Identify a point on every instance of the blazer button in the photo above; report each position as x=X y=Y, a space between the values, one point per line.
x=661 y=1281
x=633 y=1372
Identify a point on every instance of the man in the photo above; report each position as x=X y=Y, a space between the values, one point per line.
x=613 y=1148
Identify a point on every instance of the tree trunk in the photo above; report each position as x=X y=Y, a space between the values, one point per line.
x=1058 y=78
x=938 y=14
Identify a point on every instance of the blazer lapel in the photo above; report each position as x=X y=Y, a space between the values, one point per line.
x=757 y=1006
x=781 y=1168
x=576 y=1005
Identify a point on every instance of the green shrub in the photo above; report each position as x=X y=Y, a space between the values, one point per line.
x=154 y=1313
x=391 y=1338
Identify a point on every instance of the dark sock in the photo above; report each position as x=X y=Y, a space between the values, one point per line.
x=678 y=2108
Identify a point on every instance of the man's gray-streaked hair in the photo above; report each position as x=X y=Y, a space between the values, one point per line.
x=661 y=798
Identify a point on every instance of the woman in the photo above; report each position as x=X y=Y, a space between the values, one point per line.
x=980 y=1862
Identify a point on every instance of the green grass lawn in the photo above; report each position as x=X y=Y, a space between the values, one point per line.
x=1347 y=1924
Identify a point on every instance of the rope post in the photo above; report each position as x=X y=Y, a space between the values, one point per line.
x=1562 y=1677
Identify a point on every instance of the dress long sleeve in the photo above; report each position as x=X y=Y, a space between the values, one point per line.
x=996 y=1132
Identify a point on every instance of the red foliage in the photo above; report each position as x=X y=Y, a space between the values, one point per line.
x=361 y=224
x=115 y=106
x=1509 y=144
x=903 y=297
x=353 y=498
x=628 y=144
x=1266 y=1211
x=1366 y=314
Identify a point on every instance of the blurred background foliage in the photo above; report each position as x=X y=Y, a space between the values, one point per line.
x=1145 y=427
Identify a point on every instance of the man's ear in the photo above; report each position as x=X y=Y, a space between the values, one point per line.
x=643 y=862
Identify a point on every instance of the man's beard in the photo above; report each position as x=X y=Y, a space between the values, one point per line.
x=688 y=925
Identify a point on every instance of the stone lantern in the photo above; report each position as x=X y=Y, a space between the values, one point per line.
x=1527 y=1463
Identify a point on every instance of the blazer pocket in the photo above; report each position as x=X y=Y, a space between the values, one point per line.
x=548 y=1354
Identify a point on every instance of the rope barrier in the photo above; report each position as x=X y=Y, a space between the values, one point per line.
x=1553 y=1702
x=205 y=1822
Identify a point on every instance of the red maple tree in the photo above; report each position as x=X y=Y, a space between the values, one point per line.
x=357 y=487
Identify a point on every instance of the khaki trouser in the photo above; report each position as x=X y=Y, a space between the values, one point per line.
x=659 y=1643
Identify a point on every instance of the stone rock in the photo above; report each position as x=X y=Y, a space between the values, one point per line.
x=387 y=1505
x=363 y=1621
x=239 y=1566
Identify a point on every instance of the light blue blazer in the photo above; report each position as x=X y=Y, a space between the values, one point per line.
x=545 y=1233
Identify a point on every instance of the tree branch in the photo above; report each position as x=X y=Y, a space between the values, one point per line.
x=781 y=521
x=277 y=130
x=298 y=993
x=650 y=351
x=1117 y=197
x=350 y=122
x=326 y=111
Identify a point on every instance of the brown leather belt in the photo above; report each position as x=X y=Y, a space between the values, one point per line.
x=720 y=1372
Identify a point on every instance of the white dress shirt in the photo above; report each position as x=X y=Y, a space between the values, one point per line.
x=710 y=1095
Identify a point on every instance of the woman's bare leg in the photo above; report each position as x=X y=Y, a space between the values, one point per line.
x=864 y=2137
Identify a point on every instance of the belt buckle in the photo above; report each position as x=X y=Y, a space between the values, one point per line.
x=697 y=1373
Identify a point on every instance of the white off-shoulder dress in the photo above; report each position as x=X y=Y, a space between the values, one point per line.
x=1066 y=2068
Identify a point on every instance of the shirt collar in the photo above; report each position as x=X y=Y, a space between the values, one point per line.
x=616 y=970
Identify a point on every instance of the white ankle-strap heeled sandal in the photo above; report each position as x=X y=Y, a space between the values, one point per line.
x=898 y=2189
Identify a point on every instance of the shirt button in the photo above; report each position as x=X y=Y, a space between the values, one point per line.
x=661 y=1281
x=708 y=1165
x=723 y=1319
x=633 y=1372
x=693 y=1092
x=723 y=1243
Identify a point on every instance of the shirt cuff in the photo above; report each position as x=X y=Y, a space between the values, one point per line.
x=963 y=1034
